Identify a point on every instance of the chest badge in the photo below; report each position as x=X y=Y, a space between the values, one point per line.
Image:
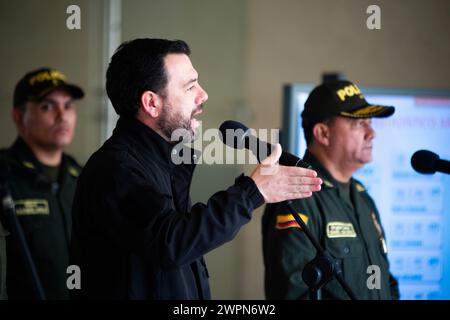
x=337 y=229
x=30 y=207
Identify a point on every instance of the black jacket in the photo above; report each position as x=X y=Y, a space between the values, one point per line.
x=135 y=233
x=44 y=211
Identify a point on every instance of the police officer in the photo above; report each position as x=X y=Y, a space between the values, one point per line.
x=41 y=179
x=342 y=216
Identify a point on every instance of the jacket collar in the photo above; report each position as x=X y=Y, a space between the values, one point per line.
x=144 y=134
x=149 y=141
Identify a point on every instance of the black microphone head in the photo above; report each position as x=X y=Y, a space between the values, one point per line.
x=424 y=161
x=233 y=134
x=233 y=125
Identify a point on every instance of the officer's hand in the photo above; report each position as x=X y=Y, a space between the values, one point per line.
x=278 y=183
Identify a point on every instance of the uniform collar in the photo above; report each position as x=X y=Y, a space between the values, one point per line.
x=28 y=161
x=25 y=155
x=328 y=180
x=149 y=141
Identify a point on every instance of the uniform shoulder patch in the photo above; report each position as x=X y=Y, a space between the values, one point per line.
x=286 y=221
x=28 y=164
x=328 y=183
x=73 y=171
x=359 y=187
x=71 y=162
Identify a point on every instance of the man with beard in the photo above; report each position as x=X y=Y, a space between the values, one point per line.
x=135 y=233
x=342 y=216
x=42 y=180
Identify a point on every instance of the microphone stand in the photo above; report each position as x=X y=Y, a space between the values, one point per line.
x=11 y=221
x=322 y=268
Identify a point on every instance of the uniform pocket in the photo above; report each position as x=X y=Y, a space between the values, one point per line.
x=32 y=224
x=342 y=248
x=350 y=255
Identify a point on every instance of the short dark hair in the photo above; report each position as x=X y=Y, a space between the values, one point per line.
x=308 y=133
x=138 y=66
x=309 y=126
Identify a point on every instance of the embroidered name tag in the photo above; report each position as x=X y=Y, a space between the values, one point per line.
x=28 y=207
x=340 y=230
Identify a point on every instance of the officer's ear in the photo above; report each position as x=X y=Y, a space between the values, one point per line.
x=151 y=104
x=321 y=133
x=17 y=115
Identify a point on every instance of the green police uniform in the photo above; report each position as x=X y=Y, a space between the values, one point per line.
x=43 y=207
x=346 y=222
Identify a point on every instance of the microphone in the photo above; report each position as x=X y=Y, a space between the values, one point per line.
x=236 y=135
x=424 y=161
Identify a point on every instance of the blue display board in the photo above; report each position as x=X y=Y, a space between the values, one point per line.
x=414 y=208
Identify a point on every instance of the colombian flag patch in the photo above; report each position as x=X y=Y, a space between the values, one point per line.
x=285 y=221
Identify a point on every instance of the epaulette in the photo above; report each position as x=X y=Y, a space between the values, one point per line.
x=359 y=186
x=327 y=183
x=73 y=167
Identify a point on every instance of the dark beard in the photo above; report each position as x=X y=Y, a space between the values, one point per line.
x=168 y=122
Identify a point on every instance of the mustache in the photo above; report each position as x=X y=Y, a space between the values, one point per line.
x=197 y=110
